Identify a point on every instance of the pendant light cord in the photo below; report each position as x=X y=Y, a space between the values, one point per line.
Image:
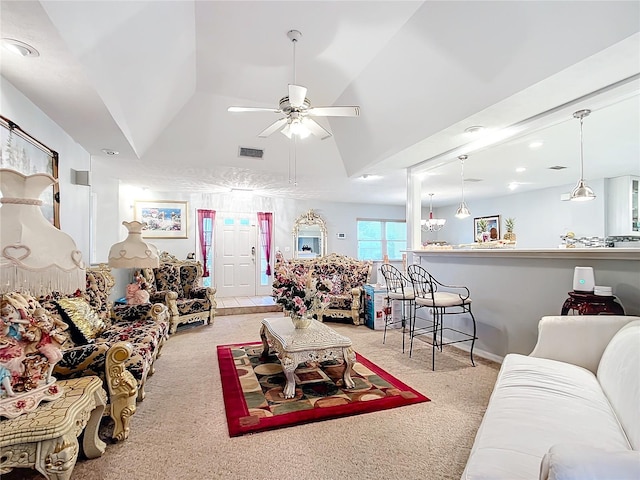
x=581 y=151
x=462 y=175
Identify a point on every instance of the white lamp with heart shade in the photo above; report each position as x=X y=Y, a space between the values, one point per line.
x=35 y=256
x=133 y=251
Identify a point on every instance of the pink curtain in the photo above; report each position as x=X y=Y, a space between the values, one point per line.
x=205 y=236
x=265 y=221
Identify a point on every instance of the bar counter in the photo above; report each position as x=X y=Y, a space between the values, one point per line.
x=513 y=288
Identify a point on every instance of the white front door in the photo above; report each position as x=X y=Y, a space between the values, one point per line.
x=235 y=258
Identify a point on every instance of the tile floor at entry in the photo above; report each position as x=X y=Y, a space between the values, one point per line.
x=239 y=305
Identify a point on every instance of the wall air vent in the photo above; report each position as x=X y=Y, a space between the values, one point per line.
x=250 y=152
x=557 y=167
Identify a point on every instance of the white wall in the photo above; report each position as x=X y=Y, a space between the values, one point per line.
x=74 y=199
x=540 y=217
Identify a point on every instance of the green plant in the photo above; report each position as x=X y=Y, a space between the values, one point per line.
x=482 y=225
x=509 y=224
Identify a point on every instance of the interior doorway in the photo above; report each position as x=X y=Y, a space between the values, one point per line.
x=239 y=262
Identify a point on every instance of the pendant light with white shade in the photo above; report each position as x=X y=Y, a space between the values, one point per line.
x=463 y=211
x=582 y=191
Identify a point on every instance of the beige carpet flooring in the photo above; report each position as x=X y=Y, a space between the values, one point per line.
x=180 y=430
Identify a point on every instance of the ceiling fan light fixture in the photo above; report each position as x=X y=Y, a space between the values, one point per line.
x=582 y=192
x=299 y=128
x=296 y=107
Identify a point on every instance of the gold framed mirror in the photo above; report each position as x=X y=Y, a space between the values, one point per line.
x=309 y=236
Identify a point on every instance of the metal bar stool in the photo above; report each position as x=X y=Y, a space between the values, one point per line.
x=398 y=288
x=442 y=300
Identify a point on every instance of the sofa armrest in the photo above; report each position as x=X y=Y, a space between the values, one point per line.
x=585 y=462
x=356 y=293
x=577 y=339
x=158 y=312
x=202 y=292
x=123 y=388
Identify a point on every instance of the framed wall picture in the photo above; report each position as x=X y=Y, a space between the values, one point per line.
x=486 y=228
x=23 y=153
x=164 y=218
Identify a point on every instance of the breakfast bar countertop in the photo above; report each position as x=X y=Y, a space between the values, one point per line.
x=577 y=253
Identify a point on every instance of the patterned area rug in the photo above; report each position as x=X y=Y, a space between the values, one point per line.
x=252 y=389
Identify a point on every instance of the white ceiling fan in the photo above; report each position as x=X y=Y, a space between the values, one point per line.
x=297 y=109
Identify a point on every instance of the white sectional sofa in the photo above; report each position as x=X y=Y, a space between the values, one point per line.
x=568 y=411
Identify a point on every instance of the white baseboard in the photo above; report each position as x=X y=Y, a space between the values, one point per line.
x=466 y=346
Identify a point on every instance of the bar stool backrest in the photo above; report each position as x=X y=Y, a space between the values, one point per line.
x=395 y=280
x=424 y=285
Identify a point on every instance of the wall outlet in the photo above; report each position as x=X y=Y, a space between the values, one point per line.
x=341 y=236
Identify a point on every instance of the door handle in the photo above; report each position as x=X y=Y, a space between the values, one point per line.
x=253 y=251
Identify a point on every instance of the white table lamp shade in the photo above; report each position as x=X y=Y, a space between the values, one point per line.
x=133 y=251
x=34 y=255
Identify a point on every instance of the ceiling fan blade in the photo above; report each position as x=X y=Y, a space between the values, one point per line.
x=315 y=128
x=337 y=111
x=253 y=109
x=297 y=94
x=286 y=131
x=273 y=127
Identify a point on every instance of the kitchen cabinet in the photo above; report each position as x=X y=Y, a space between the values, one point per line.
x=622 y=206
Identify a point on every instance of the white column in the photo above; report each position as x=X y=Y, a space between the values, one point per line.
x=414 y=212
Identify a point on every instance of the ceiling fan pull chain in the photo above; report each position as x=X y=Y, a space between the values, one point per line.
x=295 y=162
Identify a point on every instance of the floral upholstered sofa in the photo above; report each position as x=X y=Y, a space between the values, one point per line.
x=347 y=277
x=176 y=283
x=119 y=345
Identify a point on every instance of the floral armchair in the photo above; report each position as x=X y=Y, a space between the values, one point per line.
x=176 y=283
x=120 y=345
x=347 y=277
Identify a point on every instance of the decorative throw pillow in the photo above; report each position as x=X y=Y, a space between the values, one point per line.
x=85 y=324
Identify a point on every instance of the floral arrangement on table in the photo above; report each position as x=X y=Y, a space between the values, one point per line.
x=299 y=292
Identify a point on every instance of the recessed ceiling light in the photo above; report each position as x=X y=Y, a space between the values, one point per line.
x=513 y=185
x=19 y=48
x=474 y=130
x=110 y=152
x=520 y=169
x=536 y=144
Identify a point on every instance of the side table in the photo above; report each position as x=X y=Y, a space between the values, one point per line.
x=47 y=438
x=584 y=303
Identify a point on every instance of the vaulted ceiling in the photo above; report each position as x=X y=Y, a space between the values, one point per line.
x=153 y=81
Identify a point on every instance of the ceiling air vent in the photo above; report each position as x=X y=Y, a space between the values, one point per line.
x=250 y=152
x=557 y=167
x=472 y=180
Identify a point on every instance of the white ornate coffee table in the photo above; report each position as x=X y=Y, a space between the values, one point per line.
x=317 y=343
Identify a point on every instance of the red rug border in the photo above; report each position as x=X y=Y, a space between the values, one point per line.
x=235 y=410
